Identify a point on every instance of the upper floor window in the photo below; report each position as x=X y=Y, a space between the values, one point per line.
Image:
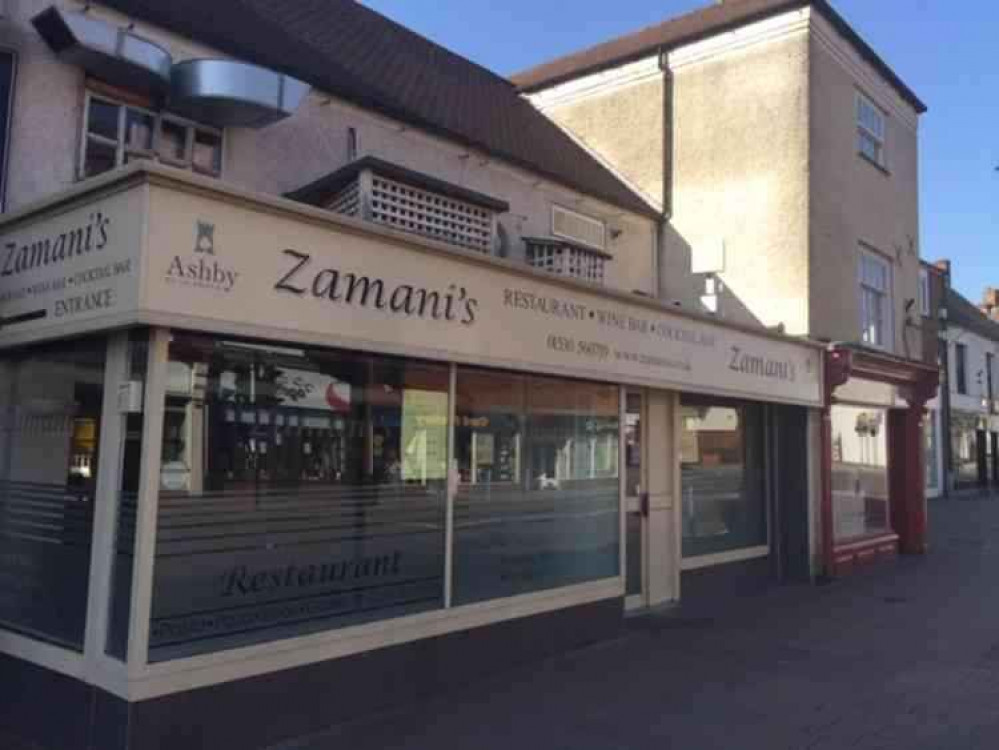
x=924 y=292
x=875 y=300
x=961 y=368
x=990 y=363
x=116 y=133
x=870 y=130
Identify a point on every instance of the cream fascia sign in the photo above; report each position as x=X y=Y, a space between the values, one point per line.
x=71 y=269
x=217 y=262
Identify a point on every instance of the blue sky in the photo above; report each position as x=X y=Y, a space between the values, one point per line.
x=945 y=51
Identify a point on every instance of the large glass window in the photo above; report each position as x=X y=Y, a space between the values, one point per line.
x=722 y=479
x=537 y=504
x=50 y=425
x=859 y=472
x=301 y=490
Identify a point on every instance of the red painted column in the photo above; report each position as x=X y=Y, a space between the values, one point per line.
x=913 y=540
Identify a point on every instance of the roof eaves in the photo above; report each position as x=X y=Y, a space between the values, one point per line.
x=537 y=82
x=534 y=79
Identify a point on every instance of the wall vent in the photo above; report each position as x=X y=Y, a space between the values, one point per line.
x=578 y=227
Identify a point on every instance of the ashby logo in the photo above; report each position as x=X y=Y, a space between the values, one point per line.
x=201 y=269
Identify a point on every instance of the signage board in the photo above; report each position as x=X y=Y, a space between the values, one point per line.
x=211 y=262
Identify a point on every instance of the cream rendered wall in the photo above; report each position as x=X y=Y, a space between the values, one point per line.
x=623 y=125
x=740 y=170
x=48 y=113
x=853 y=201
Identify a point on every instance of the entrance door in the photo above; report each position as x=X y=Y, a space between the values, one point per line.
x=652 y=544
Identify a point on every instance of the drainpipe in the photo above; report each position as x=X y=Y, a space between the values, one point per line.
x=667 y=164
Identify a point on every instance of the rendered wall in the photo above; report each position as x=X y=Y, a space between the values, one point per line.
x=741 y=177
x=854 y=202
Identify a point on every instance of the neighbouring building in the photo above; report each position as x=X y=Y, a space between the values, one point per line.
x=332 y=372
x=934 y=283
x=972 y=341
x=783 y=153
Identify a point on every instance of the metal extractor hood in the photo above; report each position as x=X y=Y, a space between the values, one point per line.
x=109 y=52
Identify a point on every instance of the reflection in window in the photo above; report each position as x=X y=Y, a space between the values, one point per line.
x=722 y=481
x=859 y=472
x=932 y=470
x=50 y=407
x=301 y=490
x=537 y=504
x=964 y=436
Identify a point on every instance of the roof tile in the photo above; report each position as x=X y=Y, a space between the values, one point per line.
x=350 y=51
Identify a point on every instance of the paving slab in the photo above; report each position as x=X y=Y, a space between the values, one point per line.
x=903 y=656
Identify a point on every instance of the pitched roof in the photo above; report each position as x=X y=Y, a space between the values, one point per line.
x=691 y=27
x=965 y=314
x=347 y=50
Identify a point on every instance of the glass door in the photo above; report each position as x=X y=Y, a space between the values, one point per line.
x=635 y=505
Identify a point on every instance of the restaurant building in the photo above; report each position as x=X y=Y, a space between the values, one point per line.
x=783 y=153
x=333 y=373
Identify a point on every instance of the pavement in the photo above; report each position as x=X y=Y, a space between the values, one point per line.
x=905 y=655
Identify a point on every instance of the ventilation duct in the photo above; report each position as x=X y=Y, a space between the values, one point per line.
x=227 y=93
x=106 y=51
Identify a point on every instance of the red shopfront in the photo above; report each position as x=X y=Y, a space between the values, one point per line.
x=873 y=494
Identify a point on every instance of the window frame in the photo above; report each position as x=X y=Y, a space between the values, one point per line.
x=961 y=368
x=924 y=292
x=123 y=150
x=886 y=328
x=862 y=100
x=990 y=364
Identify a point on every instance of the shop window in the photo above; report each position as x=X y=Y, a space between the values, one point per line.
x=859 y=472
x=875 y=300
x=301 y=490
x=116 y=134
x=537 y=505
x=961 y=369
x=50 y=407
x=722 y=479
x=870 y=130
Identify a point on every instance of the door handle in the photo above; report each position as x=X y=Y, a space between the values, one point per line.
x=644 y=504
